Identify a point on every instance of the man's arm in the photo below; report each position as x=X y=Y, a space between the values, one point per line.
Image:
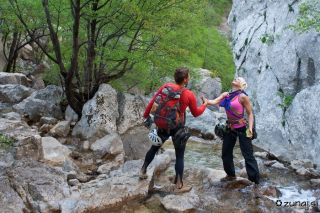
x=195 y=110
x=217 y=100
x=148 y=108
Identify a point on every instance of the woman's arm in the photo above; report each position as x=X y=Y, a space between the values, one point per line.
x=217 y=100
x=246 y=104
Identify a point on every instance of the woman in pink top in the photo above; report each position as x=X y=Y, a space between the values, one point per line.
x=235 y=102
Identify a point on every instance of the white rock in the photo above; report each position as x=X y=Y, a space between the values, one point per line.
x=298 y=164
x=182 y=203
x=278 y=165
x=106 y=168
x=171 y=153
x=54 y=153
x=110 y=144
x=86 y=145
x=261 y=155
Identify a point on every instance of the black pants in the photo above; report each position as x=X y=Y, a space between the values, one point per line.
x=163 y=134
x=229 y=142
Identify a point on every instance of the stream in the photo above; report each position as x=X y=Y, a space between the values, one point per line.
x=295 y=190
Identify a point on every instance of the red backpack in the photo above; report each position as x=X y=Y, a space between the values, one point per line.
x=168 y=115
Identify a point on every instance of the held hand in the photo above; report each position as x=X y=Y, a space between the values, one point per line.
x=249 y=133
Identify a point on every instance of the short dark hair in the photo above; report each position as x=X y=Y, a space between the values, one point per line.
x=180 y=74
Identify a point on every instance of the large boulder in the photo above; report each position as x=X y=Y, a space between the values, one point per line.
x=54 y=153
x=209 y=87
x=27 y=142
x=109 y=194
x=108 y=145
x=136 y=142
x=51 y=94
x=274 y=59
x=131 y=110
x=99 y=115
x=13 y=93
x=203 y=125
x=13 y=78
x=37 y=108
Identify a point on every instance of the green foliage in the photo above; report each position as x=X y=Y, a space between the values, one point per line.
x=246 y=41
x=259 y=71
x=286 y=100
x=290 y=8
x=6 y=143
x=283 y=123
x=267 y=66
x=308 y=18
x=259 y=53
x=234 y=19
x=268 y=39
x=265 y=14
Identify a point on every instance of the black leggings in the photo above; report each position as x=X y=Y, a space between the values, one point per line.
x=179 y=153
x=246 y=148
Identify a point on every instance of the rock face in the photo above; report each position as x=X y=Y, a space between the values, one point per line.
x=13 y=93
x=13 y=78
x=99 y=115
x=273 y=59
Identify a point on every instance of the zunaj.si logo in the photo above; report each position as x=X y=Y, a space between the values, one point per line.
x=278 y=203
x=306 y=204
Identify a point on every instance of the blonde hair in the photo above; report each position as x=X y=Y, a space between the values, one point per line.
x=243 y=84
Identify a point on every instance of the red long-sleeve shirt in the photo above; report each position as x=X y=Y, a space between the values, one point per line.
x=187 y=99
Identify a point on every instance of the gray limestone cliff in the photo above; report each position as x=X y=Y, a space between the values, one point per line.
x=276 y=60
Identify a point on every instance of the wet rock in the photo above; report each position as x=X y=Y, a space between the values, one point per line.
x=48 y=120
x=54 y=153
x=61 y=129
x=116 y=163
x=171 y=153
x=272 y=191
x=70 y=114
x=11 y=93
x=298 y=164
x=27 y=142
x=310 y=172
x=99 y=115
x=262 y=170
x=278 y=165
x=9 y=198
x=73 y=182
x=110 y=144
x=261 y=155
x=204 y=124
x=239 y=183
x=182 y=203
x=131 y=110
x=136 y=142
x=13 y=116
x=270 y=163
x=109 y=194
x=315 y=182
x=135 y=208
x=13 y=78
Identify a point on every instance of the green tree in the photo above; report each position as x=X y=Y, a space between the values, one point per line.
x=308 y=18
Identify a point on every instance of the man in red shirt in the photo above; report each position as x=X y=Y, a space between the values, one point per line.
x=187 y=99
